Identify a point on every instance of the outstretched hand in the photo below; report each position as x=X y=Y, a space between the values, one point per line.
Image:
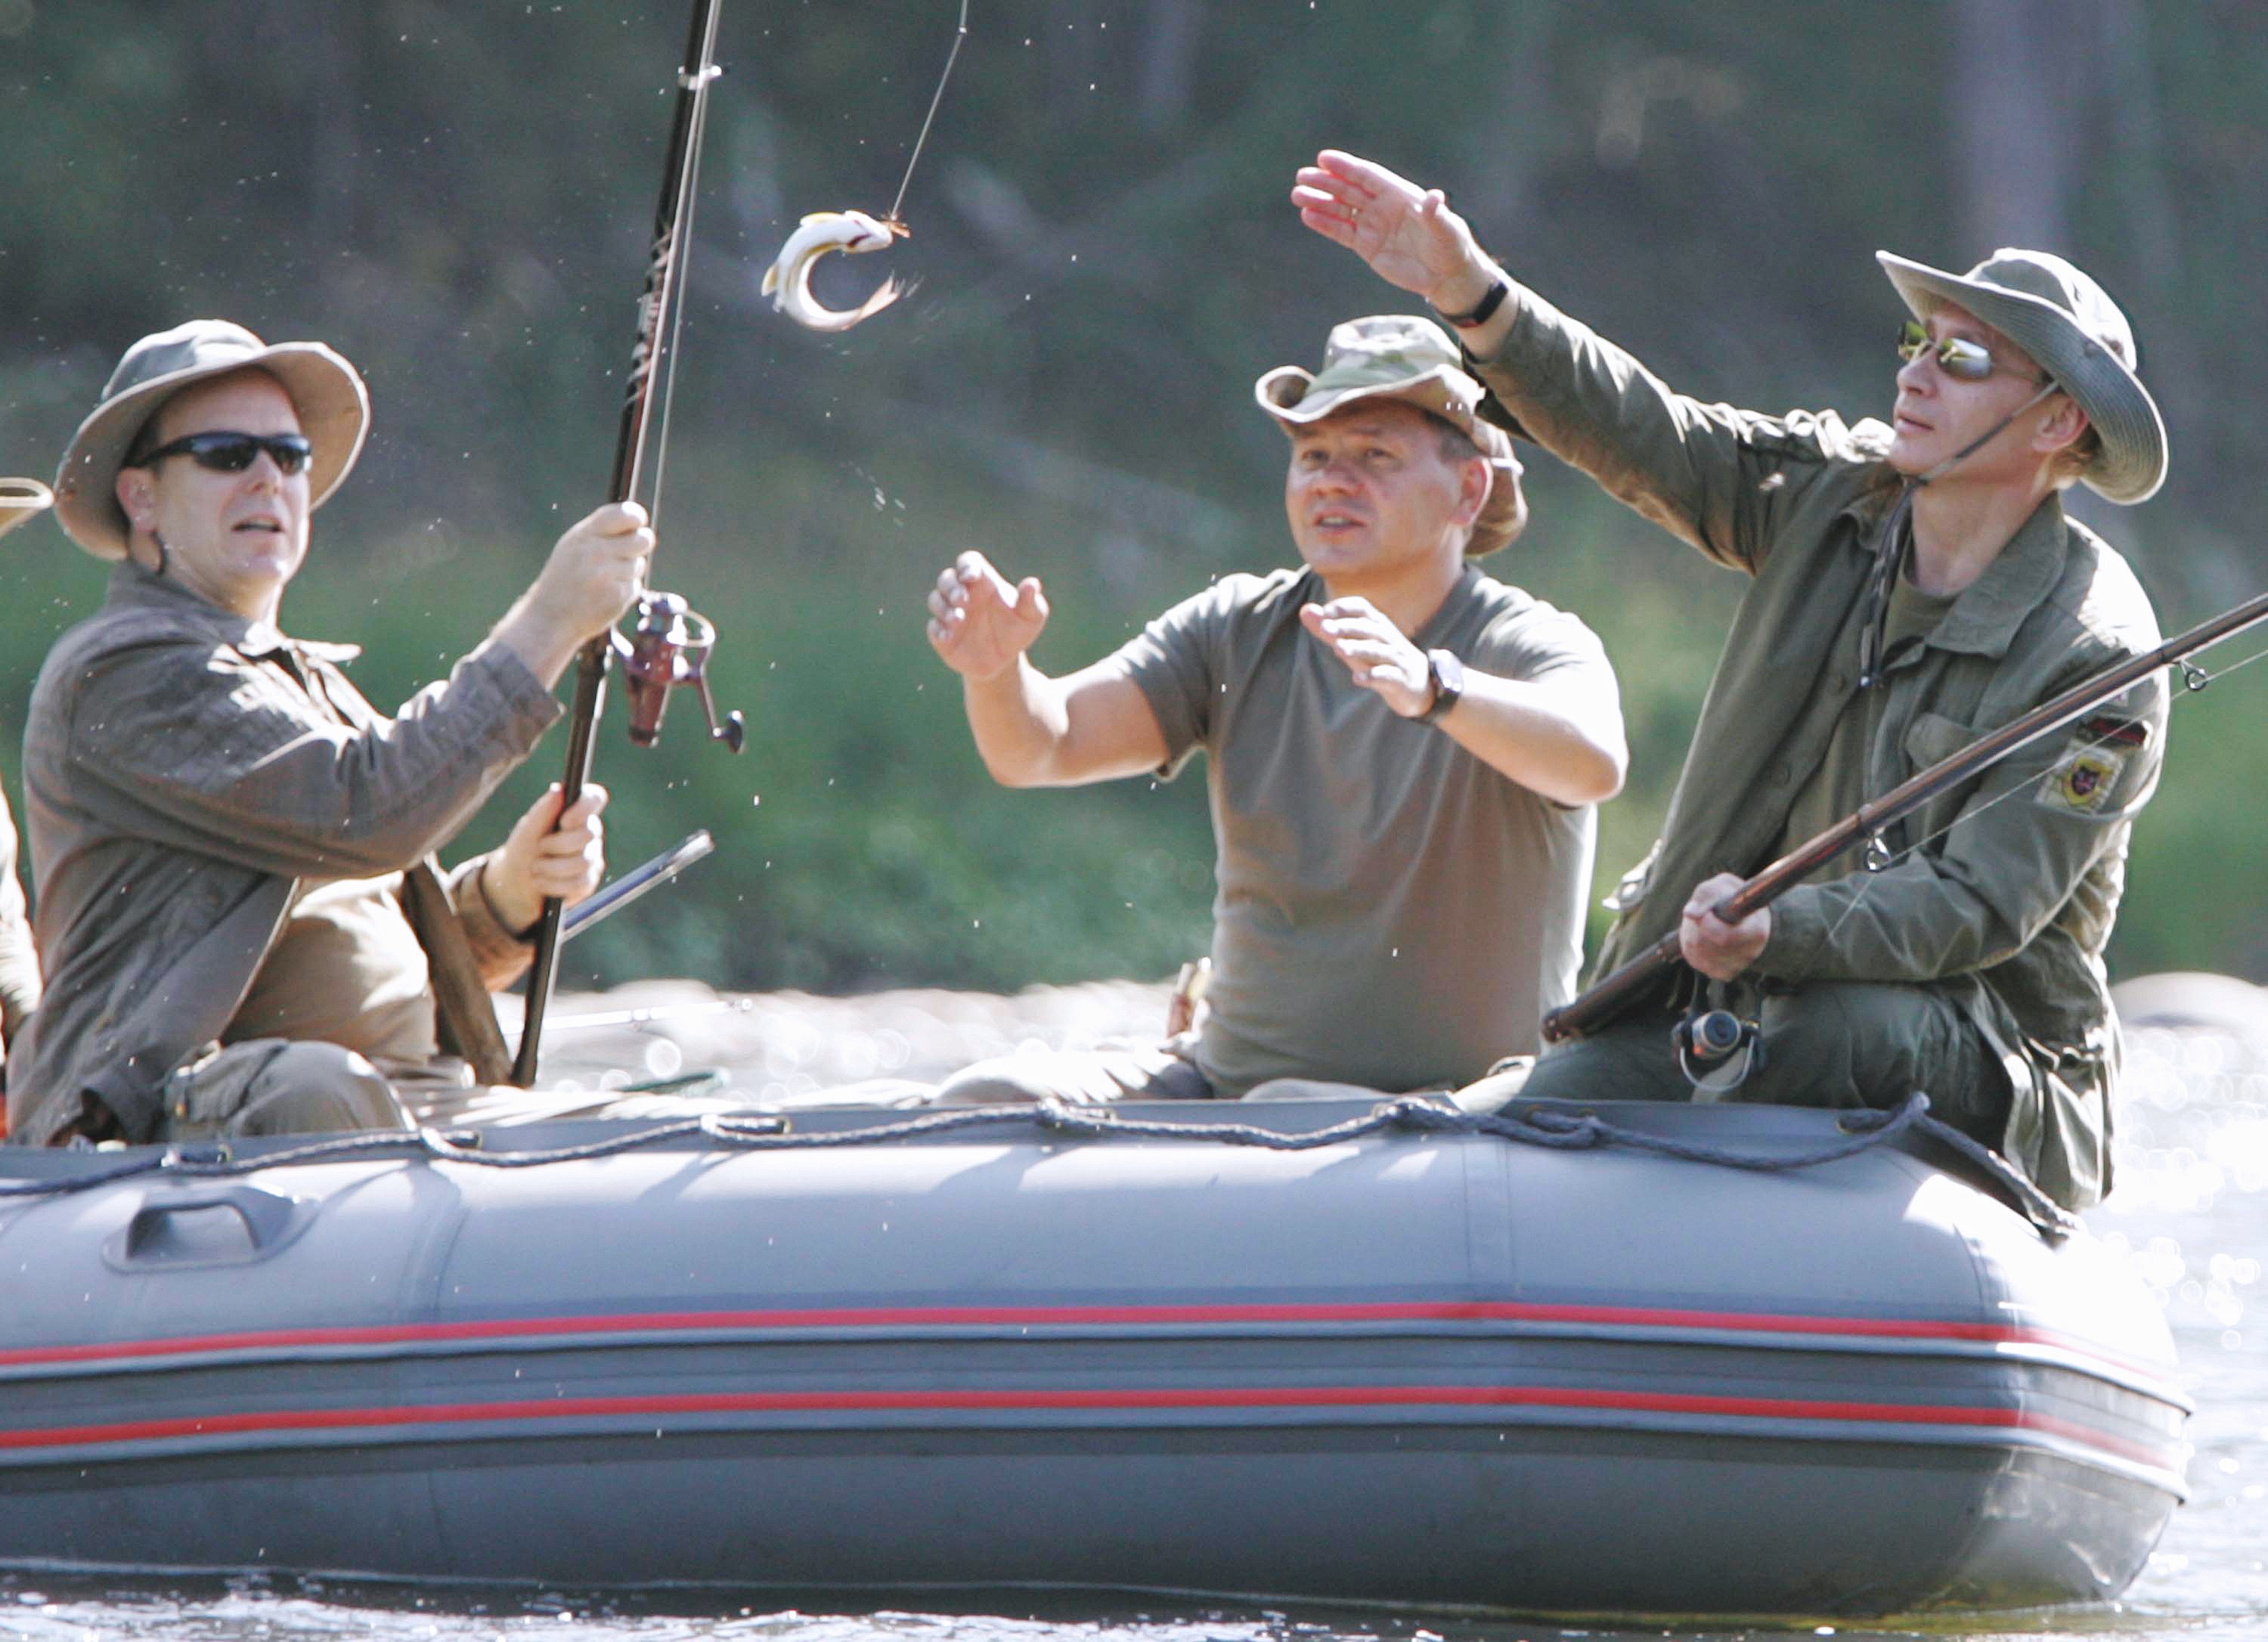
x=980 y=623
x=1378 y=655
x=1409 y=235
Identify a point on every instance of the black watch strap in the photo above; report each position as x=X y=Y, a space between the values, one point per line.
x=1448 y=677
x=1478 y=313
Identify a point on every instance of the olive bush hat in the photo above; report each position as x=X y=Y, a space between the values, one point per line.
x=334 y=410
x=19 y=499
x=1387 y=355
x=2073 y=332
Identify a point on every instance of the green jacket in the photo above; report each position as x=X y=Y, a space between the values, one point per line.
x=2008 y=894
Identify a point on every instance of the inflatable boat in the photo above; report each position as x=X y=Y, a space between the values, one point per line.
x=1705 y=1360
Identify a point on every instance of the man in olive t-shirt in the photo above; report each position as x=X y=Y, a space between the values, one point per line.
x=1403 y=752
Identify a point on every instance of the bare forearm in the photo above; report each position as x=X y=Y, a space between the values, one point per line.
x=1536 y=737
x=1020 y=722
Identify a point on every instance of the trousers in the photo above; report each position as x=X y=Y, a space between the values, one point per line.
x=278 y=1087
x=1132 y=1072
x=1843 y=1043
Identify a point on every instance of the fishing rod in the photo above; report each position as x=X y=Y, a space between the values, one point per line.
x=670 y=644
x=1606 y=999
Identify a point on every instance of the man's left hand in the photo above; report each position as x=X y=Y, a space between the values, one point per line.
x=1716 y=948
x=1376 y=652
x=547 y=854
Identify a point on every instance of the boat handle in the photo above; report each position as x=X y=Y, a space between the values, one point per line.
x=266 y=1217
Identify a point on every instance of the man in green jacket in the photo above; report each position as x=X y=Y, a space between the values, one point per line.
x=1913 y=585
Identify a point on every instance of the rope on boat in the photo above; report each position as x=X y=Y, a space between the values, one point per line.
x=1551 y=1127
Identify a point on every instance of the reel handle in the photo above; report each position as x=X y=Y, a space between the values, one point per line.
x=669 y=648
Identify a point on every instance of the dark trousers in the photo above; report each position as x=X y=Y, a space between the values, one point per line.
x=1845 y=1043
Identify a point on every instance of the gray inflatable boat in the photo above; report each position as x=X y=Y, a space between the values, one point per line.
x=1637 y=1359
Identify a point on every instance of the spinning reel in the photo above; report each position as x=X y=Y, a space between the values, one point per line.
x=669 y=647
x=1717 y=1049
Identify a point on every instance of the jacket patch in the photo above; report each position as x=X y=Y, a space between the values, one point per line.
x=2083 y=779
x=2110 y=729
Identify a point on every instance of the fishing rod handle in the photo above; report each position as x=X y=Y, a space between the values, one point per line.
x=1605 y=1000
x=590 y=664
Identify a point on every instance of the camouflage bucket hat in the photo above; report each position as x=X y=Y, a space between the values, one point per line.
x=19 y=499
x=1387 y=355
x=333 y=409
x=2072 y=330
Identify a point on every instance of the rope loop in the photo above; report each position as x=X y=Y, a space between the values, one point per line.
x=1551 y=1127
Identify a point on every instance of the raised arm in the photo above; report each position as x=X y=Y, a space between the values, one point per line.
x=1033 y=730
x=1718 y=478
x=1559 y=736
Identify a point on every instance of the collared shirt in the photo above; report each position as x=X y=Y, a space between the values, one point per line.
x=184 y=769
x=2002 y=891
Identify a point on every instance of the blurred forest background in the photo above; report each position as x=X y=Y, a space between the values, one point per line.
x=457 y=195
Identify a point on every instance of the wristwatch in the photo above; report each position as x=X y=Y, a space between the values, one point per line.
x=1478 y=314
x=1449 y=675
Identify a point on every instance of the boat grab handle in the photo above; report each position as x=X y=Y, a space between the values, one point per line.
x=212 y=1226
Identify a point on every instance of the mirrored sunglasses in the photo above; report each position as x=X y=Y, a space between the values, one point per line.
x=233 y=452
x=1955 y=355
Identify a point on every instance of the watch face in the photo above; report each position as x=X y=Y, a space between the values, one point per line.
x=1448 y=677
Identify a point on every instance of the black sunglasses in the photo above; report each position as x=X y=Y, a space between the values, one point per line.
x=1957 y=356
x=233 y=452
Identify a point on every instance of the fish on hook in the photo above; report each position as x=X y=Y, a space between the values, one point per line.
x=787 y=282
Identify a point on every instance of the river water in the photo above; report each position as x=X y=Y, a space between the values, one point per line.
x=2190 y=1214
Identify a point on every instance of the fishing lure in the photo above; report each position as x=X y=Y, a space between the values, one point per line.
x=787 y=282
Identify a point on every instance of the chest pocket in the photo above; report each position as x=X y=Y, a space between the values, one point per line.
x=1932 y=739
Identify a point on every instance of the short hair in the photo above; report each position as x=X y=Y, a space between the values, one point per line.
x=1505 y=514
x=2070 y=464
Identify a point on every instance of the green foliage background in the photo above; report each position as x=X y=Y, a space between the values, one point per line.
x=457 y=195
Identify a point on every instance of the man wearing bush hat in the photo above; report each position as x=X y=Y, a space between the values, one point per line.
x=237 y=914
x=1912 y=586
x=1403 y=753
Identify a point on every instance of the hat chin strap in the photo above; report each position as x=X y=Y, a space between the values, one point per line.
x=1940 y=469
x=1894 y=542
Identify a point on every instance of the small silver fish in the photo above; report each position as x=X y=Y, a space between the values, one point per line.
x=787 y=282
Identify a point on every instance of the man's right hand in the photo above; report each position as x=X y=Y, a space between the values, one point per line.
x=980 y=623
x=1409 y=235
x=597 y=569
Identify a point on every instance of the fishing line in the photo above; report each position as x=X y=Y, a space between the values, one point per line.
x=679 y=291
x=913 y=159
x=2194 y=679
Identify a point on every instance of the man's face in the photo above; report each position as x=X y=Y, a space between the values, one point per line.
x=234 y=539
x=1369 y=492
x=1936 y=414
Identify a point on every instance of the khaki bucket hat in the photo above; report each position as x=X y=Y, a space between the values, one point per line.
x=1387 y=355
x=334 y=410
x=19 y=499
x=2073 y=331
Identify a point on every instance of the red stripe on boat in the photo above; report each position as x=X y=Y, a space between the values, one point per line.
x=1059 y=1316
x=645 y=1408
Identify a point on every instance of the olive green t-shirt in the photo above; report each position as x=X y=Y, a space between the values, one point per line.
x=1390 y=910
x=1838 y=786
